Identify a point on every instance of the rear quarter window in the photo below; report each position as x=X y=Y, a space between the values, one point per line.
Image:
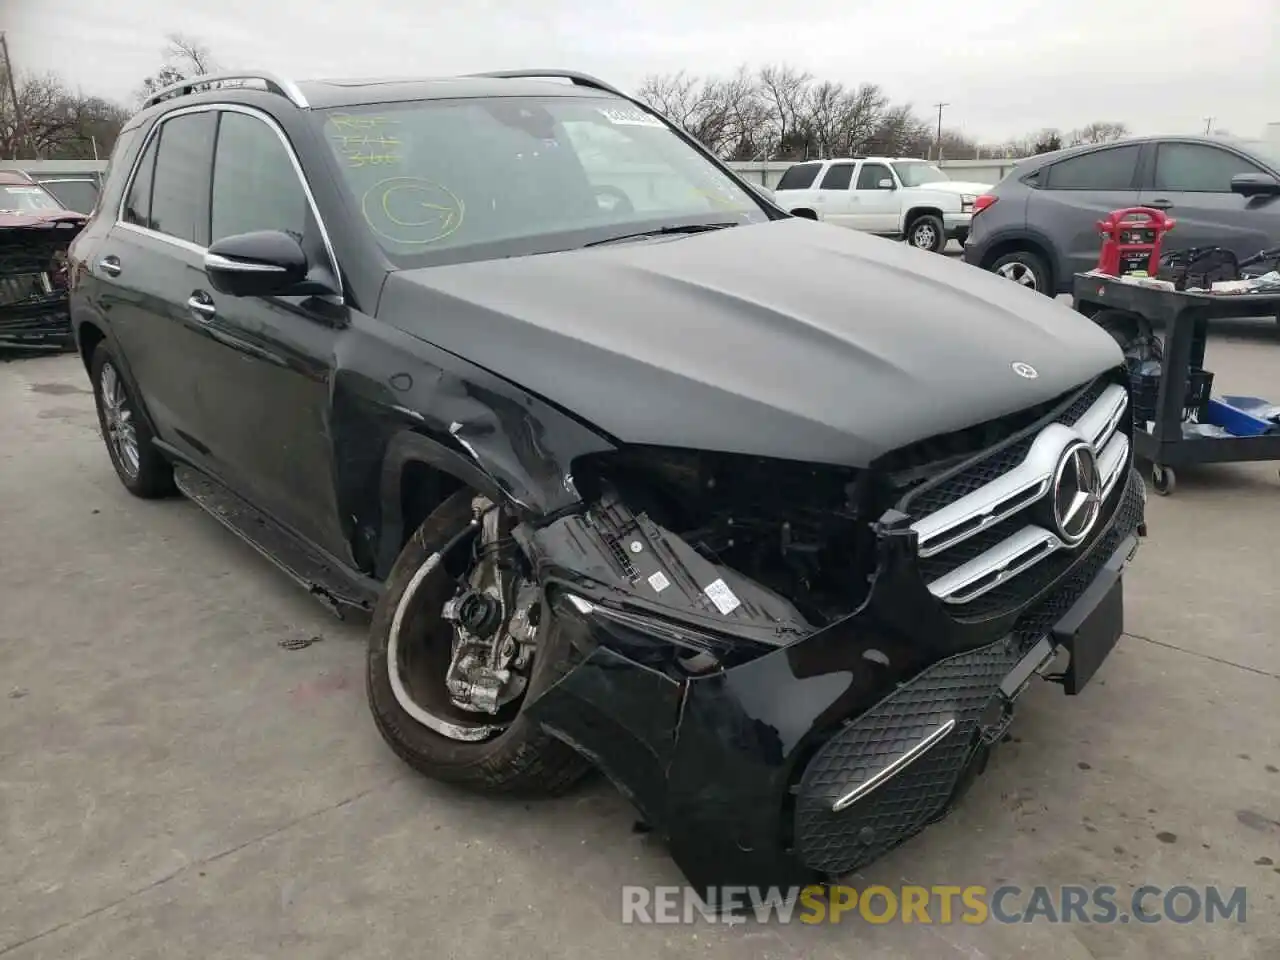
x=1111 y=169
x=799 y=177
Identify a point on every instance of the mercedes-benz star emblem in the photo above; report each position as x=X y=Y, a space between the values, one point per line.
x=1024 y=370
x=1077 y=493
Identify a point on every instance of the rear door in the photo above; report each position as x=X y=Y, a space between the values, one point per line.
x=1192 y=182
x=1072 y=195
x=835 y=194
x=795 y=188
x=877 y=208
x=147 y=267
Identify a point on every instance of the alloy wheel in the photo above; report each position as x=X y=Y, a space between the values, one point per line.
x=1019 y=273
x=122 y=432
x=924 y=236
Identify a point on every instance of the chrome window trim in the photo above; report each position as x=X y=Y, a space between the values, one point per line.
x=284 y=141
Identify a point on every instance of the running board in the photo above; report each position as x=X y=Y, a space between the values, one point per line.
x=325 y=580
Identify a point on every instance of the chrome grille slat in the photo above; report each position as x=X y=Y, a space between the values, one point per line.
x=1017 y=491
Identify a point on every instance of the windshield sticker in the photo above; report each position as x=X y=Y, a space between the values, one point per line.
x=412 y=211
x=629 y=117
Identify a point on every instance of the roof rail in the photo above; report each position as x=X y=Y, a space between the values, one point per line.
x=274 y=84
x=578 y=79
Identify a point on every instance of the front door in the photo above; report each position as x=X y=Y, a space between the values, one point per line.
x=269 y=421
x=879 y=207
x=1192 y=182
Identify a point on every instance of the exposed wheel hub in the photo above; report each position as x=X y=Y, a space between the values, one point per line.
x=478 y=614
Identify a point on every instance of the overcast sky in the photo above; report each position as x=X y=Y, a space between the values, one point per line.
x=1005 y=67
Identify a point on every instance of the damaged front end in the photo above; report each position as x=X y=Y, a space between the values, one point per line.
x=34 y=281
x=759 y=655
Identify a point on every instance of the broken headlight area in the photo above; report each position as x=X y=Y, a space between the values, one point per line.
x=723 y=555
x=33 y=284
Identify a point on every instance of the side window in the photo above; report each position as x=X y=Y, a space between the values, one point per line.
x=137 y=208
x=1110 y=169
x=1198 y=168
x=799 y=177
x=839 y=176
x=255 y=186
x=181 y=180
x=871 y=174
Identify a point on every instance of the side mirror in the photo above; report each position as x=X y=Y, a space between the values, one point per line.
x=886 y=184
x=1255 y=185
x=260 y=264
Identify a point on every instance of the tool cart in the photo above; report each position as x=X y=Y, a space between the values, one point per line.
x=1176 y=421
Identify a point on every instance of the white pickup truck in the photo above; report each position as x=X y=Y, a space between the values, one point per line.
x=892 y=197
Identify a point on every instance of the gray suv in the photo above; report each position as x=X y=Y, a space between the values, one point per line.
x=1038 y=226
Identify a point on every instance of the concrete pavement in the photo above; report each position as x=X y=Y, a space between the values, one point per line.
x=187 y=767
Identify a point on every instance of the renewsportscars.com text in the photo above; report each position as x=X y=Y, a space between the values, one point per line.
x=936 y=904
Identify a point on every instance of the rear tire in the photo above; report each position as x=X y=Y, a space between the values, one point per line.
x=140 y=466
x=1025 y=269
x=926 y=232
x=520 y=759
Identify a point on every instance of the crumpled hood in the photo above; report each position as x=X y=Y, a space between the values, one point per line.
x=54 y=219
x=789 y=339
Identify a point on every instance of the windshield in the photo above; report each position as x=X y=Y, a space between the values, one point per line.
x=917 y=172
x=452 y=180
x=1265 y=150
x=25 y=198
x=78 y=195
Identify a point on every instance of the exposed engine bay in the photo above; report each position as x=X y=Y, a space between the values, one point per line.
x=33 y=283
x=773 y=549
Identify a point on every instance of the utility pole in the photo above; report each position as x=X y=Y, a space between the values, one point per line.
x=13 y=92
x=939 y=139
x=1208 y=125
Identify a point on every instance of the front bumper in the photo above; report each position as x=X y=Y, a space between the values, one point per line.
x=740 y=769
x=37 y=324
x=957 y=224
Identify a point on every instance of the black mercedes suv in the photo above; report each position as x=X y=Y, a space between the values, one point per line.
x=767 y=520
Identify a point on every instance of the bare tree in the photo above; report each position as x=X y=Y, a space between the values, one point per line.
x=859 y=112
x=1100 y=131
x=184 y=57
x=783 y=94
x=899 y=133
x=56 y=123
x=1047 y=141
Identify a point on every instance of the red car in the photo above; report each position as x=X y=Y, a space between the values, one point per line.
x=35 y=230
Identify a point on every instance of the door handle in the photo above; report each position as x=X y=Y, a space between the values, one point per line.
x=1160 y=203
x=110 y=266
x=202 y=305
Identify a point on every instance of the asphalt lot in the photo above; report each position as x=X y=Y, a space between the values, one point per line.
x=176 y=780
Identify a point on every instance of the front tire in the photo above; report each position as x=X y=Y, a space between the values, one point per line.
x=1025 y=269
x=140 y=466
x=926 y=232
x=407 y=656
